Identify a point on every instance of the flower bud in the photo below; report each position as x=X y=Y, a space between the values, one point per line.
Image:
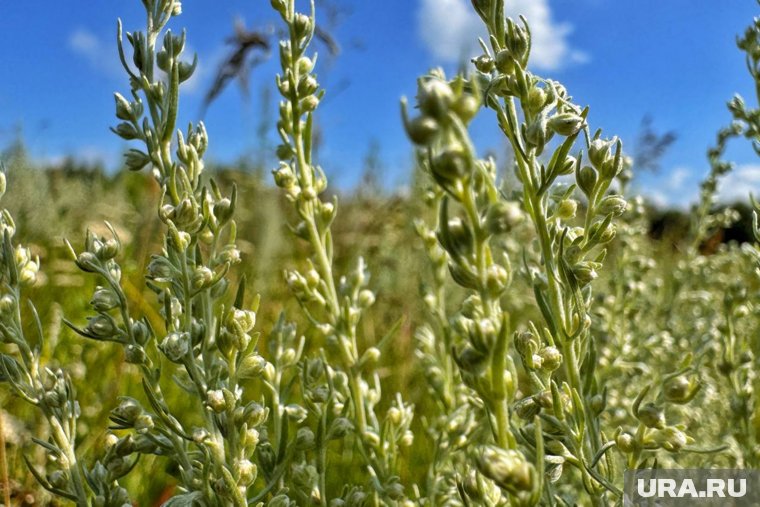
x=536 y=98
x=7 y=304
x=223 y=210
x=584 y=273
x=587 y=178
x=422 y=130
x=216 y=400
x=451 y=163
x=567 y=209
x=135 y=354
x=136 y=160
x=566 y=124
x=246 y=471
x=671 y=439
x=252 y=366
x=104 y=299
x=301 y=25
x=284 y=177
x=466 y=107
x=599 y=151
x=140 y=332
x=307 y=86
x=537 y=132
x=551 y=358
x=497 y=278
x=88 y=262
x=202 y=277
x=505 y=62
x=527 y=408
x=123 y=108
x=503 y=216
x=507 y=468
x=435 y=97
x=176 y=346
x=612 y=204
x=127 y=411
x=484 y=64
x=144 y=423
x=304 y=439
x=625 y=442
x=101 y=327
x=651 y=416
x=680 y=390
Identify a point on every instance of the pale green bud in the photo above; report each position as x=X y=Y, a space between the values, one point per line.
x=422 y=130
x=671 y=439
x=252 y=366
x=101 y=327
x=527 y=408
x=625 y=442
x=503 y=216
x=484 y=64
x=304 y=439
x=584 y=273
x=202 y=277
x=507 y=468
x=451 y=163
x=339 y=428
x=88 y=262
x=176 y=346
x=246 y=471
x=566 y=124
x=435 y=98
x=135 y=354
x=127 y=411
x=123 y=108
x=537 y=133
x=144 y=423
x=652 y=416
x=216 y=400
x=537 y=98
x=612 y=204
x=466 y=107
x=505 y=62
x=599 y=151
x=587 y=178
x=307 y=86
x=680 y=389
x=104 y=299
x=366 y=298
x=567 y=209
x=551 y=358
x=301 y=25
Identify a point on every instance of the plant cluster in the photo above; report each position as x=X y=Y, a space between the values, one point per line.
x=561 y=346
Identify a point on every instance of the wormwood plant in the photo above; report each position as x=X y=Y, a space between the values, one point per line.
x=556 y=391
x=560 y=347
x=262 y=427
x=737 y=361
x=333 y=304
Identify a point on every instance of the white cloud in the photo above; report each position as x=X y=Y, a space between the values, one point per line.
x=676 y=188
x=103 y=57
x=679 y=189
x=450 y=30
x=738 y=184
x=98 y=53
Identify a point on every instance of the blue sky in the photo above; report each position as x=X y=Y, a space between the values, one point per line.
x=675 y=60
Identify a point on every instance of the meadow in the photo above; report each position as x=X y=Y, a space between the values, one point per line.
x=521 y=333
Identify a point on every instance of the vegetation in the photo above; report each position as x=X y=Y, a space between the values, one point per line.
x=523 y=341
